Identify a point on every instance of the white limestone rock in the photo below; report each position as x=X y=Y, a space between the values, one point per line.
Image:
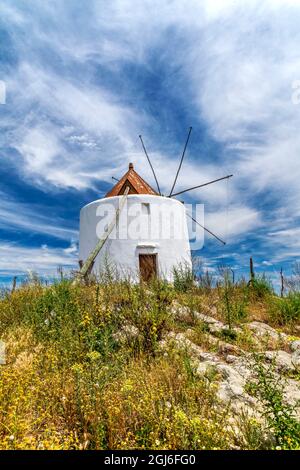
x=126 y=333
x=295 y=345
x=282 y=360
x=261 y=329
x=233 y=374
x=296 y=359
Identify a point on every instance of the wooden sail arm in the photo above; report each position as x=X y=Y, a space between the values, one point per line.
x=206 y=229
x=181 y=160
x=201 y=185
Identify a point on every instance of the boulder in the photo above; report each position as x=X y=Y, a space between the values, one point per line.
x=292 y=394
x=214 y=326
x=126 y=333
x=231 y=359
x=261 y=329
x=282 y=360
x=296 y=359
x=232 y=376
x=295 y=345
x=180 y=312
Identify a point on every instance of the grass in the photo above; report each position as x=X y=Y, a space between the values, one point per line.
x=70 y=383
x=281 y=417
x=286 y=311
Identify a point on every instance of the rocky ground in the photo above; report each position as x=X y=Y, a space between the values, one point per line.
x=233 y=365
x=125 y=367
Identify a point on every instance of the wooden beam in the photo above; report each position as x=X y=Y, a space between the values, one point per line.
x=201 y=185
x=14 y=284
x=281 y=283
x=88 y=264
x=252 y=274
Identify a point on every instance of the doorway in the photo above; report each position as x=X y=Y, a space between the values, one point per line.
x=148 y=267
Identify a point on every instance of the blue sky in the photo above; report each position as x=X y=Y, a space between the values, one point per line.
x=84 y=79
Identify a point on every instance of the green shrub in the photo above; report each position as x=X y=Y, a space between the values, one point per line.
x=285 y=310
x=235 y=300
x=71 y=383
x=228 y=334
x=183 y=278
x=280 y=416
x=147 y=309
x=261 y=286
x=205 y=281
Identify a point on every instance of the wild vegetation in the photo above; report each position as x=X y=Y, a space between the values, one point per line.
x=89 y=366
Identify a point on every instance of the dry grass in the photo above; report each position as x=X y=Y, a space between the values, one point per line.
x=68 y=384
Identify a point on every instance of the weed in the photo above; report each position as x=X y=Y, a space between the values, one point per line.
x=261 y=286
x=70 y=383
x=286 y=310
x=235 y=300
x=280 y=416
x=183 y=278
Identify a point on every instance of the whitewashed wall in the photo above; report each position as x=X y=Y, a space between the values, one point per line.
x=163 y=231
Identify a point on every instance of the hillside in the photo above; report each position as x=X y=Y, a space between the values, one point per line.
x=118 y=366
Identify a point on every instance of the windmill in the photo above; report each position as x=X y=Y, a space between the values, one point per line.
x=145 y=255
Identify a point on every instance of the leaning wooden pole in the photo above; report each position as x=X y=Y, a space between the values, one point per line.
x=88 y=264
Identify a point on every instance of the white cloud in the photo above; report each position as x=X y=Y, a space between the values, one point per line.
x=39 y=147
x=17 y=260
x=14 y=214
x=72 y=249
x=237 y=221
x=107 y=127
x=237 y=62
x=230 y=66
x=242 y=77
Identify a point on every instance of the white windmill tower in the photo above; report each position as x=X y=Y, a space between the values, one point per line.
x=143 y=233
x=150 y=236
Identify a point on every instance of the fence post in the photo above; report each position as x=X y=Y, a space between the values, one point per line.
x=14 y=284
x=282 y=282
x=252 y=274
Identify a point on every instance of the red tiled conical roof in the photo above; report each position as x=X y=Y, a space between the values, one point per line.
x=135 y=182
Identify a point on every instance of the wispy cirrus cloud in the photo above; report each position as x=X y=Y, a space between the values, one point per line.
x=47 y=140
x=17 y=215
x=84 y=80
x=16 y=260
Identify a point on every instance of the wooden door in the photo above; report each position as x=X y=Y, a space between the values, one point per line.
x=148 y=267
